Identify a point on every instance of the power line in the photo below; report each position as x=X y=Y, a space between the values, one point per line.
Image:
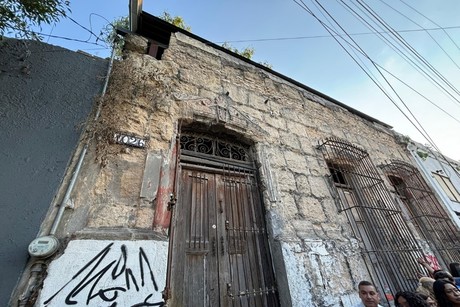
x=407 y=45
x=61 y=37
x=85 y=28
x=333 y=35
x=394 y=76
x=427 y=32
x=445 y=32
x=424 y=133
x=305 y=7
x=381 y=21
x=395 y=48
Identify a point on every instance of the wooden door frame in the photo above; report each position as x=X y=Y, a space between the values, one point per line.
x=216 y=165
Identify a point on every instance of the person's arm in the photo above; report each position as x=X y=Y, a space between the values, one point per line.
x=426 y=265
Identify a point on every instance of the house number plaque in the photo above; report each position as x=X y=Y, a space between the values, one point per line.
x=130 y=140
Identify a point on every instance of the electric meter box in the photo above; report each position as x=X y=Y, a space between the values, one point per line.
x=43 y=247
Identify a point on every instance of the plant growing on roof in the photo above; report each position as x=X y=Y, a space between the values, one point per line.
x=422 y=154
x=178 y=21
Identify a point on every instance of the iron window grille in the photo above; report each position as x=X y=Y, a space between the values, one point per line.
x=425 y=210
x=447 y=187
x=389 y=247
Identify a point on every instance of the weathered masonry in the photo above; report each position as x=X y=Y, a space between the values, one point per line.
x=211 y=180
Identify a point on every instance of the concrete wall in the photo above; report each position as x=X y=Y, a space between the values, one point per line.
x=47 y=93
x=317 y=259
x=430 y=162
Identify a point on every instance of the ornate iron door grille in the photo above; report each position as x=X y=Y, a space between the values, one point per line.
x=204 y=145
x=389 y=246
x=429 y=215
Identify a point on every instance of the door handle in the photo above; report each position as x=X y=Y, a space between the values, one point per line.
x=229 y=290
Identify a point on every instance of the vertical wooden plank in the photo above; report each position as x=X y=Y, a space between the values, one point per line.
x=178 y=251
x=253 y=255
x=223 y=265
x=212 y=228
x=195 y=280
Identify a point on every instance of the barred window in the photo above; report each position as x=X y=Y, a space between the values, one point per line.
x=425 y=210
x=390 y=248
x=447 y=187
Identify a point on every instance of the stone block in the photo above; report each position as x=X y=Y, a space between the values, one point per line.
x=287 y=208
x=135 y=43
x=144 y=218
x=110 y=215
x=296 y=162
x=311 y=209
x=318 y=186
x=304 y=229
x=289 y=140
x=285 y=180
x=276 y=157
x=296 y=128
x=131 y=180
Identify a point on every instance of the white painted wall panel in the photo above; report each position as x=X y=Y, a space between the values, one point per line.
x=107 y=273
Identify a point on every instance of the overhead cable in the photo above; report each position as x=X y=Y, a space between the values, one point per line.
x=331 y=31
x=427 y=32
x=306 y=8
x=443 y=29
x=410 y=61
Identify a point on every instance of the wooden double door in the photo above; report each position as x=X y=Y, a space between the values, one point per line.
x=220 y=254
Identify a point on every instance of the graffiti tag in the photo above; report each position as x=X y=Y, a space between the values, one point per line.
x=123 y=279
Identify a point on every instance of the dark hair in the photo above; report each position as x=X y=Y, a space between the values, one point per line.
x=440 y=294
x=454 y=268
x=443 y=274
x=365 y=283
x=424 y=296
x=414 y=299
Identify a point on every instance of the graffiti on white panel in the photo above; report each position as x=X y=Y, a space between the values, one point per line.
x=107 y=277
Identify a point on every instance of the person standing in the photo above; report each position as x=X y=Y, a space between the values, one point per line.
x=447 y=294
x=410 y=299
x=368 y=295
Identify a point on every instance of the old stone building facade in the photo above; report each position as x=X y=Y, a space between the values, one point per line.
x=210 y=180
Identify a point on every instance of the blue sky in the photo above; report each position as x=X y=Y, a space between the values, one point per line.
x=285 y=35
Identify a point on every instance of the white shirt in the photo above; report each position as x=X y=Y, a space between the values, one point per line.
x=360 y=304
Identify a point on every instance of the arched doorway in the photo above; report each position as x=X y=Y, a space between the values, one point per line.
x=220 y=250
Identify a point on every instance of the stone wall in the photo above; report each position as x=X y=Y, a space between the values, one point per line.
x=316 y=257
